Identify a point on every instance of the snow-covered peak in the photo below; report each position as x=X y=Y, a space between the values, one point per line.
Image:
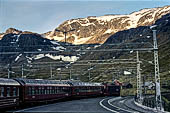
x=97 y=29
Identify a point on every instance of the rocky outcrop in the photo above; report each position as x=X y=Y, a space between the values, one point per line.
x=14 y=31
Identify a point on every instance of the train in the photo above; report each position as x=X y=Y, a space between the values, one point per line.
x=19 y=91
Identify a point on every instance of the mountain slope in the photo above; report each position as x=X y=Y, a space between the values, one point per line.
x=137 y=38
x=92 y=30
x=30 y=47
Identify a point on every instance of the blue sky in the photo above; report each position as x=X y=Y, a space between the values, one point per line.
x=45 y=15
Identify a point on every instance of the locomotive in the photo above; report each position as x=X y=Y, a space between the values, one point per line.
x=15 y=92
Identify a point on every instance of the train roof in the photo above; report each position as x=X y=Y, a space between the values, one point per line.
x=78 y=83
x=41 y=82
x=5 y=81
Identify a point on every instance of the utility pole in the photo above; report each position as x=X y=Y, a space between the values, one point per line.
x=59 y=70
x=144 y=89
x=51 y=71
x=8 y=70
x=64 y=32
x=89 y=75
x=70 y=74
x=139 y=88
x=89 y=70
x=157 y=75
x=22 y=69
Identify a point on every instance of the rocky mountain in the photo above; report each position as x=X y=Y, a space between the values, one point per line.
x=14 y=31
x=93 y=29
x=140 y=37
x=28 y=47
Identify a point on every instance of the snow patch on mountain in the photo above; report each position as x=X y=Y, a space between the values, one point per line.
x=55 y=37
x=54 y=42
x=81 y=40
x=57 y=57
x=59 y=48
x=108 y=31
x=109 y=17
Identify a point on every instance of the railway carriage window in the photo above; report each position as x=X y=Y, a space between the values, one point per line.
x=85 y=89
x=51 y=90
x=45 y=90
x=81 y=89
x=33 y=90
x=60 y=89
x=17 y=91
x=2 y=91
x=29 y=90
x=99 y=88
x=88 y=89
x=8 y=91
x=96 y=89
x=39 y=90
x=91 y=89
x=63 y=89
x=55 y=90
x=48 y=90
x=14 y=91
x=66 y=89
x=42 y=90
x=76 y=90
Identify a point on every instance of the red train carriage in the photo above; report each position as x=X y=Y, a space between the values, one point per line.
x=83 y=89
x=111 y=90
x=33 y=90
x=9 y=93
